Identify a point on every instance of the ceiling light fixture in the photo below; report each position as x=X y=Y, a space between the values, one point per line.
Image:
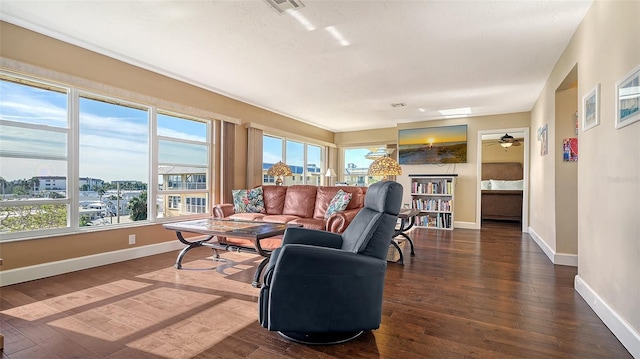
x=456 y=112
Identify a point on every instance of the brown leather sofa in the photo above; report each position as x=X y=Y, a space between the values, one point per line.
x=298 y=204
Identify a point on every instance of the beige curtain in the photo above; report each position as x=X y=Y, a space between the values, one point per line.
x=227 y=160
x=332 y=162
x=254 y=157
x=394 y=155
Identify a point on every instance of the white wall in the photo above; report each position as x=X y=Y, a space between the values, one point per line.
x=605 y=47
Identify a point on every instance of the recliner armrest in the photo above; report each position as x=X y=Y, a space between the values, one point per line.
x=222 y=210
x=312 y=237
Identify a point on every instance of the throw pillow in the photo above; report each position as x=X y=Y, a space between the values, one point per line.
x=338 y=203
x=248 y=201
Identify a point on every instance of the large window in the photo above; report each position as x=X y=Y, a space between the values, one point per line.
x=305 y=160
x=183 y=158
x=314 y=165
x=295 y=160
x=71 y=160
x=114 y=148
x=34 y=150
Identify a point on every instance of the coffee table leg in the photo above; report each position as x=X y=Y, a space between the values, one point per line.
x=190 y=245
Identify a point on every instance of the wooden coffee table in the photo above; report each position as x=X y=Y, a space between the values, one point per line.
x=216 y=229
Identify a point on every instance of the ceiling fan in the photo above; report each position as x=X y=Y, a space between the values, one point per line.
x=507 y=141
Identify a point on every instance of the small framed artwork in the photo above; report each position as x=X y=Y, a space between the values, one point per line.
x=628 y=98
x=591 y=109
x=543 y=137
x=570 y=149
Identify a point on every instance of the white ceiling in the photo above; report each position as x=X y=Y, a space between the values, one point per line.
x=490 y=56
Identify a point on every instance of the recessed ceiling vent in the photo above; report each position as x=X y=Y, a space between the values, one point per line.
x=398 y=104
x=285 y=5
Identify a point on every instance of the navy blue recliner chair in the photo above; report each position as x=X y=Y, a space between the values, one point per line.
x=326 y=288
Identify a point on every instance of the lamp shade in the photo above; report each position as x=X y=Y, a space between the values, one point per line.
x=330 y=173
x=384 y=166
x=279 y=169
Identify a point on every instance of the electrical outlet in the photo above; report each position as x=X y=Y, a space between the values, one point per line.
x=132 y=239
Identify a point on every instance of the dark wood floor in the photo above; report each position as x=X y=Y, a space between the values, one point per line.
x=487 y=293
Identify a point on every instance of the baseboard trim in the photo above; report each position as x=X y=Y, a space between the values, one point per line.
x=563 y=259
x=629 y=338
x=465 y=225
x=24 y=274
x=542 y=244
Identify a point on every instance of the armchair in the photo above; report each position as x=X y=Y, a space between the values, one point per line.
x=326 y=288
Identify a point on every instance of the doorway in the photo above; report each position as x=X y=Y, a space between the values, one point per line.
x=508 y=202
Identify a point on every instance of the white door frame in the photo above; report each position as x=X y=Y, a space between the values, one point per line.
x=525 y=190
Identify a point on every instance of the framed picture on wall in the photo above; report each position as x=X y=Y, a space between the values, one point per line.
x=628 y=98
x=570 y=149
x=591 y=109
x=543 y=137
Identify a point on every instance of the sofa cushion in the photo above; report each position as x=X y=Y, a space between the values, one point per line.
x=300 y=201
x=248 y=201
x=339 y=203
x=274 y=198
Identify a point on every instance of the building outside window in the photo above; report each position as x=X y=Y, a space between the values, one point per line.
x=174 y=202
x=196 y=205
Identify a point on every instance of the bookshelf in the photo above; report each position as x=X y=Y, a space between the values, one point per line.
x=433 y=195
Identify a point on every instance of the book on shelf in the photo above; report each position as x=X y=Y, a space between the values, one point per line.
x=432 y=187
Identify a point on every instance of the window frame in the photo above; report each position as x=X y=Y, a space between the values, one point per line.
x=324 y=154
x=72 y=131
x=368 y=180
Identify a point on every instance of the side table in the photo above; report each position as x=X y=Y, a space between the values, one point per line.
x=407 y=218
